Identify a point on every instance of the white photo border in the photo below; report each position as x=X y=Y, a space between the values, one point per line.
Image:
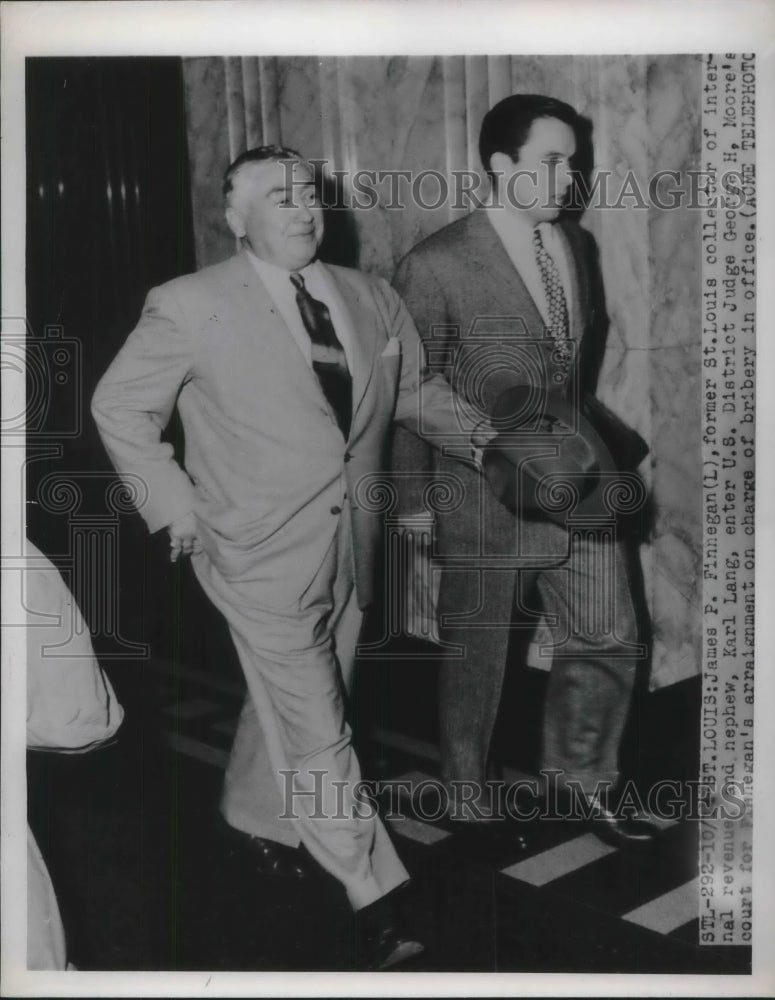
x=364 y=27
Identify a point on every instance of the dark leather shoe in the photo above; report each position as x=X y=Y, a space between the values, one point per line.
x=279 y=861
x=624 y=832
x=383 y=940
x=391 y=947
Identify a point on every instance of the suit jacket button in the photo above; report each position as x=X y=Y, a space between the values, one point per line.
x=347 y=456
x=336 y=510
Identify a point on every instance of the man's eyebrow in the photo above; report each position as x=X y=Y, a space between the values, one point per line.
x=288 y=188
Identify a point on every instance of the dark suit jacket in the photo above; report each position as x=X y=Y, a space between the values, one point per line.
x=484 y=333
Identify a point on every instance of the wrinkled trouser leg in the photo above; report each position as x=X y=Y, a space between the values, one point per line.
x=471 y=680
x=251 y=800
x=592 y=675
x=295 y=687
x=591 y=680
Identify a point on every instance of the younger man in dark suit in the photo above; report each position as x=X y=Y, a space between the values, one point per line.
x=507 y=297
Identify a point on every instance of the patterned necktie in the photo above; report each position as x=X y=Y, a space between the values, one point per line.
x=555 y=296
x=328 y=358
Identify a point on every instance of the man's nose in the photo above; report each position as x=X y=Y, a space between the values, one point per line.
x=562 y=177
x=304 y=212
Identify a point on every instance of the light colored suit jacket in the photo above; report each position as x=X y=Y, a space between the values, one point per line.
x=266 y=467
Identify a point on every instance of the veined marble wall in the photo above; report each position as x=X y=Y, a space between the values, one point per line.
x=424 y=113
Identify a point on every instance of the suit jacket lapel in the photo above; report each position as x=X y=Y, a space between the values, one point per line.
x=579 y=308
x=265 y=320
x=506 y=289
x=363 y=336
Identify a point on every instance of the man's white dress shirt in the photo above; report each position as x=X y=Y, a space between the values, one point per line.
x=320 y=286
x=515 y=231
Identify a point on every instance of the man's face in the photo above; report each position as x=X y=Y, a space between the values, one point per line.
x=538 y=182
x=274 y=206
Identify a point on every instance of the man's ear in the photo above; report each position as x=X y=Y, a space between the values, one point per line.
x=502 y=164
x=235 y=222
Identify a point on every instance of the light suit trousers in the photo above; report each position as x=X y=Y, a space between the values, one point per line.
x=292 y=753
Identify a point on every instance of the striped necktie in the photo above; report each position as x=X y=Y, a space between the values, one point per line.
x=328 y=358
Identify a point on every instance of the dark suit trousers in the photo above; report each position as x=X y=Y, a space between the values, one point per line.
x=588 y=603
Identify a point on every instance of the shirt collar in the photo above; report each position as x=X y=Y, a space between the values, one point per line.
x=273 y=273
x=510 y=224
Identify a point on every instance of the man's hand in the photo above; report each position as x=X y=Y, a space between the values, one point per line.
x=183 y=537
x=481 y=436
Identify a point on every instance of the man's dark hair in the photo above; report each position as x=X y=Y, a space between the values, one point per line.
x=256 y=155
x=506 y=126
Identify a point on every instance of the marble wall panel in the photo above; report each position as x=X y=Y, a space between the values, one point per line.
x=424 y=113
x=299 y=105
x=674 y=383
x=498 y=78
x=456 y=126
x=209 y=155
x=251 y=85
x=330 y=119
x=621 y=144
x=477 y=104
x=236 y=99
x=416 y=143
x=533 y=74
x=268 y=82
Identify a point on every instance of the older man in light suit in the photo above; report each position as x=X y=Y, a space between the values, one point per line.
x=287 y=374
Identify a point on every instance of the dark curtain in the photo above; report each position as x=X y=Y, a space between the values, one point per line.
x=108 y=217
x=108 y=208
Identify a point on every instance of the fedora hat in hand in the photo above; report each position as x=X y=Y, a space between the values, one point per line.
x=549 y=458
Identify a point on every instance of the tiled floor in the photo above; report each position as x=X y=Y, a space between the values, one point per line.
x=150 y=878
